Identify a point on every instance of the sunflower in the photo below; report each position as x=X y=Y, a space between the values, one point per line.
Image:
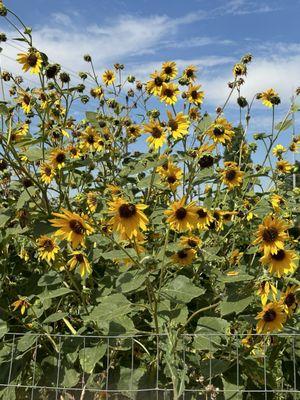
x=74 y=151
x=204 y=217
x=47 y=248
x=73 y=227
x=269 y=98
x=169 y=70
x=194 y=95
x=21 y=303
x=239 y=69
x=232 y=176
x=289 y=299
x=266 y=288
x=92 y=201
x=221 y=131
x=90 y=140
x=127 y=218
x=190 y=241
x=278 y=150
x=25 y=101
x=190 y=72
x=178 y=125
x=194 y=113
x=181 y=216
x=157 y=136
x=271 y=235
x=79 y=259
x=133 y=131
x=169 y=93
x=281 y=263
x=184 y=256
x=155 y=84
x=235 y=257
x=277 y=202
x=108 y=77
x=284 y=166
x=271 y=318
x=31 y=61
x=58 y=158
x=47 y=173
x=18 y=135
x=172 y=176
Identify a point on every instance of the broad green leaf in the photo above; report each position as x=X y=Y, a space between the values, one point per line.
x=284 y=125
x=55 y=317
x=91 y=355
x=181 y=290
x=3 y=328
x=51 y=294
x=130 y=281
x=207 y=331
x=236 y=278
x=26 y=341
x=3 y=219
x=237 y=306
x=34 y=153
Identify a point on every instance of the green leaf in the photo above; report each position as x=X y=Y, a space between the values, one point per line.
x=34 y=153
x=25 y=196
x=235 y=306
x=130 y=281
x=51 y=294
x=3 y=109
x=91 y=355
x=3 y=219
x=26 y=341
x=181 y=290
x=235 y=278
x=207 y=333
x=284 y=125
x=3 y=328
x=55 y=317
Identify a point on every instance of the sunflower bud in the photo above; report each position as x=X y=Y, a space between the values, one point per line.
x=239 y=69
x=155 y=113
x=246 y=58
x=50 y=85
x=298 y=91
x=130 y=93
x=3 y=37
x=139 y=85
x=3 y=10
x=3 y=164
x=218 y=110
x=6 y=76
x=242 y=102
x=183 y=81
x=87 y=58
x=275 y=100
x=64 y=77
x=131 y=78
x=52 y=70
x=82 y=75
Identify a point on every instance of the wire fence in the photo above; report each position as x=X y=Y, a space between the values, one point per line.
x=150 y=366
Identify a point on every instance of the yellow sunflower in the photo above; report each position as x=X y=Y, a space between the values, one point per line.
x=281 y=263
x=265 y=289
x=278 y=150
x=155 y=84
x=108 y=77
x=289 y=299
x=271 y=318
x=271 y=235
x=184 y=256
x=92 y=201
x=169 y=93
x=277 y=202
x=190 y=241
x=133 y=131
x=79 y=259
x=47 y=248
x=169 y=70
x=232 y=176
x=190 y=72
x=127 y=218
x=25 y=101
x=90 y=140
x=73 y=227
x=284 y=166
x=181 y=216
x=194 y=95
x=58 y=158
x=235 y=257
x=21 y=303
x=204 y=217
x=31 y=61
x=221 y=131
x=47 y=173
x=178 y=125
x=74 y=151
x=172 y=176
x=269 y=98
x=157 y=136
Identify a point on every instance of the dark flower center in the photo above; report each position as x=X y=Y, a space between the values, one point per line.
x=171 y=179
x=230 y=175
x=182 y=254
x=60 y=158
x=194 y=94
x=158 y=81
x=168 y=70
x=192 y=243
x=168 y=92
x=79 y=258
x=173 y=124
x=206 y=161
x=290 y=299
x=269 y=316
x=77 y=226
x=32 y=59
x=156 y=132
x=219 y=130
x=47 y=171
x=26 y=99
x=181 y=213
x=201 y=213
x=279 y=256
x=91 y=139
x=270 y=235
x=189 y=73
x=127 y=210
x=48 y=245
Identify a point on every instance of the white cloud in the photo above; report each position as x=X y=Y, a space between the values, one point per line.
x=61 y=18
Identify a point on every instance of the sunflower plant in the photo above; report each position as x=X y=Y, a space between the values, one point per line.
x=146 y=215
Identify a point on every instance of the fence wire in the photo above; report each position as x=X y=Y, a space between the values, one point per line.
x=88 y=367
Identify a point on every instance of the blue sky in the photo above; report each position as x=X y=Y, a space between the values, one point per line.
x=211 y=34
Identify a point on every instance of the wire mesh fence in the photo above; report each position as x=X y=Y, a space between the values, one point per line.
x=150 y=366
